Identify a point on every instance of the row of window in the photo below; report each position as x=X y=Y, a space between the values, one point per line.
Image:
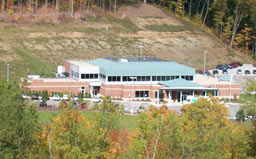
x=146 y=78
x=89 y=76
x=141 y=94
x=132 y=78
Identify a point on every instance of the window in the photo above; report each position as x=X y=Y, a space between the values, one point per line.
x=143 y=78
x=147 y=78
x=163 y=78
x=118 y=78
x=91 y=76
x=153 y=78
x=168 y=78
x=87 y=76
x=82 y=76
x=125 y=78
x=109 y=79
x=142 y=94
x=95 y=76
x=139 y=78
x=158 y=78
x=114 y=78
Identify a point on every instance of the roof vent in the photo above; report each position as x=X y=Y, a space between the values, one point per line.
x=123 y=60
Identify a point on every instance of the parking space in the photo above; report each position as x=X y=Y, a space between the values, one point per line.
x=245 y=69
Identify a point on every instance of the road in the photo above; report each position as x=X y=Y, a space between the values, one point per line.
x=133 y=106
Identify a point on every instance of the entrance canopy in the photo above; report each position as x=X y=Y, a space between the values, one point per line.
x=180 y=84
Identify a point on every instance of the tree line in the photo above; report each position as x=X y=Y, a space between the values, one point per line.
x=201 y=131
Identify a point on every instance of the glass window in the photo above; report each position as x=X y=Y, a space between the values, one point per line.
x=147 y=78
x=137 y=94
x=138 y=78
x=113 y=78
x=129 y=79
x=153 y=78
x=118 y=78
x=109 y=78
x=158 y=78
x=146 y=94
x=82 y=76
x=163 y=78
x=95 y=76
x=91 y=76
x=87 y=76
x=125 y=78
x=168 y=78
x=143 y=78
x=183 y=77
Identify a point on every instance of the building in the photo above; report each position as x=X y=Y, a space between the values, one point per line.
x=142 y=78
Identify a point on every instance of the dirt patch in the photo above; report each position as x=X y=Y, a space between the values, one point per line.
x=54 y=34
x=145 y=14
x=154 y=34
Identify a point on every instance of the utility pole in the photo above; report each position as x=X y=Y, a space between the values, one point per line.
x=141 y=47
x=8 y=74
x=205 y=52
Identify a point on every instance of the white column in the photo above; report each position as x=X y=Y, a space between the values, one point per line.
x=169 y=94
x=193 y=93
x=180 y=96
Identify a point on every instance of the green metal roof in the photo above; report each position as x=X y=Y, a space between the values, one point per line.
x=162 y=68
x=179 y=83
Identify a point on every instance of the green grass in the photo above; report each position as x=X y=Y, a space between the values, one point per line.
x=129 y=122
x=33 y=65
x=165 y=28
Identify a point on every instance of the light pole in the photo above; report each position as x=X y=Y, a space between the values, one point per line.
x=132 y=78
x=205 y=52
x=8 y=74
x=141 y=47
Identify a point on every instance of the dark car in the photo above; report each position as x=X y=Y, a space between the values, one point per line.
x=42 y=104
x=229 y=66
x=254 y=71
x=225 y=71
x=35 y=97
x=215 y=72
x=220 y=67
x=204 y=73
x=84 y=106
x=247 y=72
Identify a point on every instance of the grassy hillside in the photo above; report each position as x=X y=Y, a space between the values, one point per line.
x=38 y=48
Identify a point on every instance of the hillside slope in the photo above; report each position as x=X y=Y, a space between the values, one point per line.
x=38 y=48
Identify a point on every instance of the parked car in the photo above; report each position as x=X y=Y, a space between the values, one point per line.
x=228 y=66
x=35 y=97
x=83 y=106
x=56 y=97
x=74 y=104
x=220 y=67
x=75 y=98
x=95 y=99
x=65 y=97
x=254 y=71
x=239 y=71
x=140 y=109
x=24 y=96
x=225 y=71
x=247 y=72
x=215 y=72
x=235 y=65
x=204 y=73
x=42 y=104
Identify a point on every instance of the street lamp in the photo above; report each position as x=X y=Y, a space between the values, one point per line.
x=141 y=47
x=133 y=78
x=205 y=52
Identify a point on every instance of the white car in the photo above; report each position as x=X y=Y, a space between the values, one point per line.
x=95 y=99
x=56 y=97
x=75 y=98
x=24 y=96
x=65 y=97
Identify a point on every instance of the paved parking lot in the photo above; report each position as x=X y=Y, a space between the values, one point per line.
x=132 y=106
x=233 y=71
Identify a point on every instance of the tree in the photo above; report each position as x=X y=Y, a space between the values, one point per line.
x=45 y=96
x=18 y=122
